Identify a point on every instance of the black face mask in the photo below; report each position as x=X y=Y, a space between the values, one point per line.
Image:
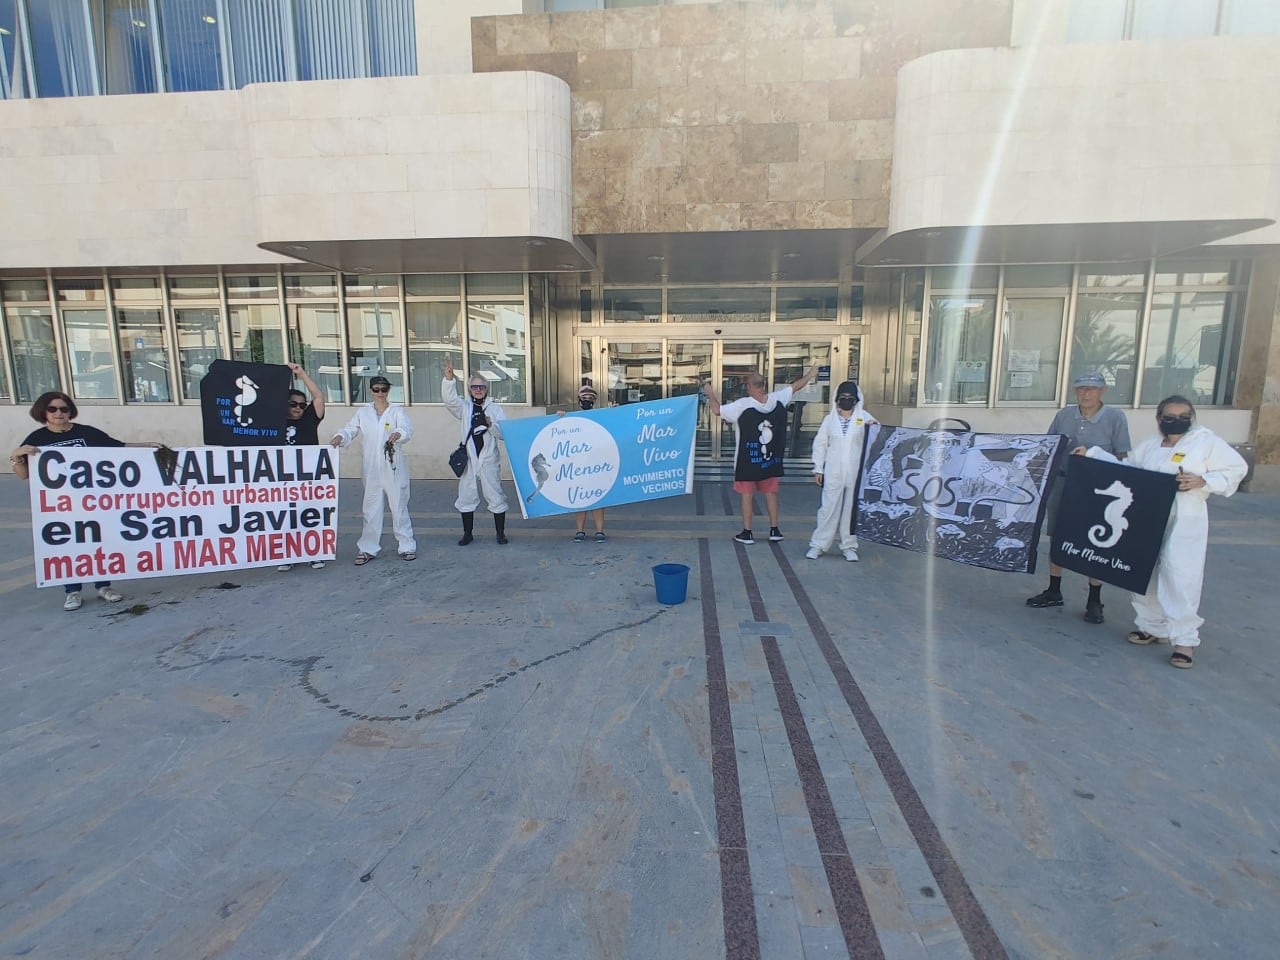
x=846 y=403
x=1174 y=426
x=586 y=404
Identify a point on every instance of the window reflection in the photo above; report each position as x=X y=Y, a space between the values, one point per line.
x=315 y=342
x=93 y=370
x=192 y=45
x=1105 y=340
x=1187 y=342
x=373 y=333
x=35 y=355
x=199 y=344
x=497 y=348
x=255 y=333
x=435 y=333
x=143 y=356
x=958 y=365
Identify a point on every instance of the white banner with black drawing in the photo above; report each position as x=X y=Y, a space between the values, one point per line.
x=1112 y=521
x=976 y=498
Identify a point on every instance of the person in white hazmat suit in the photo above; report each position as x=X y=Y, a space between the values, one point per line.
x=1204 y=464
x=837 y=453
x=384 y=429
x=479 y=430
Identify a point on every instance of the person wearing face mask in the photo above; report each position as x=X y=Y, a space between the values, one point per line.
x=587 y=401
x=1204 y=464
x=480 y=428
x=384 y=429
x=837 y=454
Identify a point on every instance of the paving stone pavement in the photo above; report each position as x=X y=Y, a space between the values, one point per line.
x=516 y=752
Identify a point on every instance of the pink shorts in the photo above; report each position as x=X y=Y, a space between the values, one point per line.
x=769 y=485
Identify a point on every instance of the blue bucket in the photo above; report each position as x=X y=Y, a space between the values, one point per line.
x=671 y=581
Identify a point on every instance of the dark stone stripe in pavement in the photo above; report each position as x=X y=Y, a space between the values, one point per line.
x=969 y=915
x=846 y=891
x=737 y=903
x=749 y=581
x=726 y=502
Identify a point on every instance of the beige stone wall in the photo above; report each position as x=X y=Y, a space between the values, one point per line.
x=733 y=116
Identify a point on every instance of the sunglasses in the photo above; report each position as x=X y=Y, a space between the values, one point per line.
x=380 y=389
x=52 y=409
x=478 y=386
x=298 y=403
x=1167 y=418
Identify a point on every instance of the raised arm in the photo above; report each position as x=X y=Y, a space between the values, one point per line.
x=317 y=395
x=449 y=391
x=713 y=399
x=805 y=379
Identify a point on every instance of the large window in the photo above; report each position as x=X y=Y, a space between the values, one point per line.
x=84 y=47
x=373 y=330
x=1032 y=340
x=1090 y=21
x=1181 y=336
x=255 y=333
x=191 y=41
x=1105 y=339
x=199 y=332
x=716 y=304
x=34 y=352
x=87 y=333
x=143 y=355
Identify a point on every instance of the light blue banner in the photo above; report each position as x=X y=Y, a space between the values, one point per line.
x=601 y=458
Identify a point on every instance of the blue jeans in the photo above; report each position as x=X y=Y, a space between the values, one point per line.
x=75 y=587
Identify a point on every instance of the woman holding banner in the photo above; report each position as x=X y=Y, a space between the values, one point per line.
x=1204 y=464
x=56 y=412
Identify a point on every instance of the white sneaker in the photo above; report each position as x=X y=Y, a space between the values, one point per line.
x=851 y=556
x=813 y=553
x=72 y=602
x=107 y=595
x=317 y=564
x=284 y=568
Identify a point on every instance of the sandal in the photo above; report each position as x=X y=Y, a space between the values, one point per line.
x=1181 y=660
x=408 y=556
x=1143 y=639
x=363 y=558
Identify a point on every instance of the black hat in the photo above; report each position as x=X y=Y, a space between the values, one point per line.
x=849 y=388
x=379 y=381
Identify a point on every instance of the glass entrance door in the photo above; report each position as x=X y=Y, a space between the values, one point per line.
x=655 y=369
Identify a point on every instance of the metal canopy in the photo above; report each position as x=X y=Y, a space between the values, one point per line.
x=1046 y=242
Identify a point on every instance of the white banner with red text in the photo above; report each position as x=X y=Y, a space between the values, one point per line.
x=118 y=514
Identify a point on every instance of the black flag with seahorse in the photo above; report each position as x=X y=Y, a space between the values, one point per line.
x=1112 y=521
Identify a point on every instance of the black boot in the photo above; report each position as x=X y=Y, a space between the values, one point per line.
x=468 y=520
x=500 y=524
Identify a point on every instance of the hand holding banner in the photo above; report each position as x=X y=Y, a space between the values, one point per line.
x=1111 y=522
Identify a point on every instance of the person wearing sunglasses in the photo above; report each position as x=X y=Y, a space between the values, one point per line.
x=479 y=430
x=302 y=426
x=383 y=428
x=1204 y=464
x=837 y=454
x=56 y=412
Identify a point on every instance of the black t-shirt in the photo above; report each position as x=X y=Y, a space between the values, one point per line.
x=762 y=438
x=305 y=431
x=80 y=435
